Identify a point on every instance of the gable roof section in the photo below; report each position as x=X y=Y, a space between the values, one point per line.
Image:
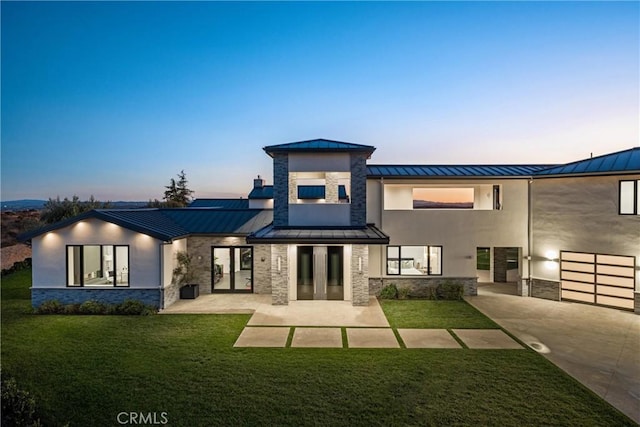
x=169 y=224
x=621 y=161
x=220 y=203
x=304 y=192
x=319 y=146
x=455 y=171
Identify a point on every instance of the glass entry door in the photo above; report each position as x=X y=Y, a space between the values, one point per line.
x=232 y=269
x=320 y=272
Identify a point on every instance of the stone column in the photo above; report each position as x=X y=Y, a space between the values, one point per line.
x=360 y=275
x=280 y=189
x=279 y=275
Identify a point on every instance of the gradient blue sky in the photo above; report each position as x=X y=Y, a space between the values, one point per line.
x=114 y=99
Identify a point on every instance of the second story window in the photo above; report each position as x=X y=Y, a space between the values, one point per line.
x=319 y=187
x=629 y=197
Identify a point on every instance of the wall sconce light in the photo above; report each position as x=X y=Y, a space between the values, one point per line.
x=551 y=256
x=360 y=263
x=262 y=259
x=199 y=257
x=527 y=257
x=279 y=262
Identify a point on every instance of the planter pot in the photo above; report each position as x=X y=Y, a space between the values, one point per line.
x=189 y=292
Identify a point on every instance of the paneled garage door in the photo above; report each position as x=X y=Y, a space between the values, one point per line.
x=598 y=279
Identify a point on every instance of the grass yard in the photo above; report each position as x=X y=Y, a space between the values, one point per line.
x=434 y=315
x=86 y=369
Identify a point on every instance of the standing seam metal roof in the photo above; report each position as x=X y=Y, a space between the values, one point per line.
x=315 y=145
x=168 y=224
x=409 y=171
x=621 y=161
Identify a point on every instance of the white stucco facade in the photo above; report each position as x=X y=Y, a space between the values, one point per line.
x=50 y=253
x=458 y=231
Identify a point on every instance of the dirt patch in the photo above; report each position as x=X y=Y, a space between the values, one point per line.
x=15 y=253
x=13 y=223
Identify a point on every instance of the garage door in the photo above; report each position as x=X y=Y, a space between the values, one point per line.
x=598 y=279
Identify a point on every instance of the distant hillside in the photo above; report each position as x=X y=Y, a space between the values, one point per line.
x=29 y=204
x=22 y=205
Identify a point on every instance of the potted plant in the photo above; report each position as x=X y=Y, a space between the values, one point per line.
x=184 y=275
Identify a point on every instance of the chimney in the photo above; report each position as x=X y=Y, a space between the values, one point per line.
x=258 y=182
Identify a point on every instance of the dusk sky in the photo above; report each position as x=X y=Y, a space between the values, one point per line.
x=114 y=99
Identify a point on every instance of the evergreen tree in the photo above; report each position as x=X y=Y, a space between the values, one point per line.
x=177 y=194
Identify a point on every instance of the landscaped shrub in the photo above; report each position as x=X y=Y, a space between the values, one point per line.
x=130 y=307
x=18 y=406
x=92 y=307
x=389 y=292
x=17 y=266
x=72 y=309
x=431 y=293
x=127 y=307
x=403 y=292
x=450 y=291
x=50 y=307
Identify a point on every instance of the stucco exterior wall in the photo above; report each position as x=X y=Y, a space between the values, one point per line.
x=459 y=232
x=49 y=253
x=580 y=214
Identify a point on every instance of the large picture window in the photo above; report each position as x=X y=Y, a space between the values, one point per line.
x=629 y=193
x=414 y=260
x=97 y=265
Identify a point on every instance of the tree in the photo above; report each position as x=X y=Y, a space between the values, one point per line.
x=178 y=195
x=55 y=210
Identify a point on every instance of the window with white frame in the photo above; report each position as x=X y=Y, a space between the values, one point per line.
x=629 y=197
x=414 y=260
x=97 y=265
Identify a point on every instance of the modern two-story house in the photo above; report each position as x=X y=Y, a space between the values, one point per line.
x=332 y=227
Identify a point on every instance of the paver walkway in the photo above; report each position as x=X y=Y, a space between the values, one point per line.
x=270 y=336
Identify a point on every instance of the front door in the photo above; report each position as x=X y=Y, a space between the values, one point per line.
x=320 y=273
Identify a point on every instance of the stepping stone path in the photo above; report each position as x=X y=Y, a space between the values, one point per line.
x=330 y=337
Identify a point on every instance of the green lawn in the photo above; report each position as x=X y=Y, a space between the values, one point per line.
x=434 y=314
x=86 y=369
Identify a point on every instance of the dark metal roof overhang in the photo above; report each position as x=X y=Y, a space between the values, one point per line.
x=369 y=235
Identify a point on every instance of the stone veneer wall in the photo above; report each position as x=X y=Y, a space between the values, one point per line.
x=261 y=269
x=199 y=247
x=419 y=285
x=358 y=189
x=279 y=279
x=171 y=295
x=545 y=289
x=359 y=281
x=280 y=189
x=108 y=296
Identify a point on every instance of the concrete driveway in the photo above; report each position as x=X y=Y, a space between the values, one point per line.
x=600 y=347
